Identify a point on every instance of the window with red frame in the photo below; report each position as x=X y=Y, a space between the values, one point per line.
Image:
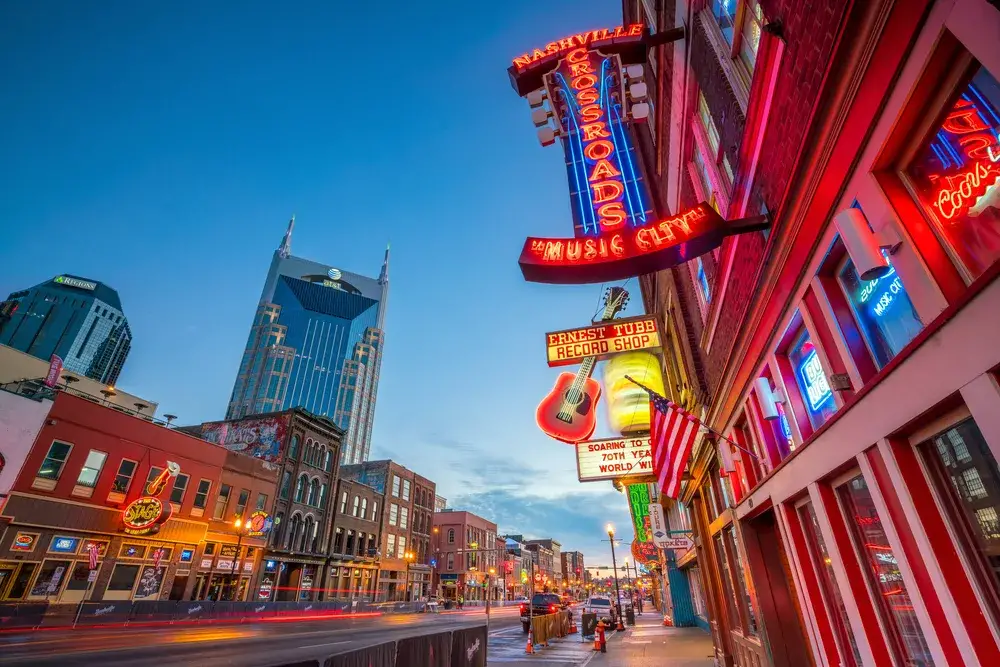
x=956 y=173
x=817 y=396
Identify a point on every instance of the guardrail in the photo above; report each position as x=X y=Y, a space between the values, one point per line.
x=32 y=615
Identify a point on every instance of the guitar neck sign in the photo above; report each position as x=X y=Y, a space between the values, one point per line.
x=572 y=346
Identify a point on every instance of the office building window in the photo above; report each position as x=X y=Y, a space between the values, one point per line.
x=390 y=546
x=241 y=502
x=395 y=486
x=406 y=489
x=882 y=309
x=393 y=514
x=222 y=501
x=91 y=468
x=123 y=478
x=180 y=486
x=261 y=501
x=404 y=517
x=201 y=495
x=54 y=461
x=955 y=172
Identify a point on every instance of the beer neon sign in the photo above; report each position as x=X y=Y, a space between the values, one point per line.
x=583 y=39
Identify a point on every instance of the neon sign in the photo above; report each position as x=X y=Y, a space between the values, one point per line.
x=583 y=39
x=814 y=381
x=144 y=515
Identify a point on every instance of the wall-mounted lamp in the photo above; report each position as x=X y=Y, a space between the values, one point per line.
x=859 y=239
x=637 y=91
x=768 y=398
x=546 y=136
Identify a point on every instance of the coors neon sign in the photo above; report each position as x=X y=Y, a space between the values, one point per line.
x=617 y=235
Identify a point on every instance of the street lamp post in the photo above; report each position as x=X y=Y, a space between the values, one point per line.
x=237 y=562
x=611 y=535
x=489 y=590
x=409 y=556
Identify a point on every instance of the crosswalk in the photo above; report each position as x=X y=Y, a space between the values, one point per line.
x=506 y=646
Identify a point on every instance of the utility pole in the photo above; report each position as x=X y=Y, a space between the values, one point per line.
x=618 y=594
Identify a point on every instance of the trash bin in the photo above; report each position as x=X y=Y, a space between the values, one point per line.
x=630 y=615
x=448 y=604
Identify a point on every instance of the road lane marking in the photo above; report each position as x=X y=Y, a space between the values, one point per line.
x=346 y=641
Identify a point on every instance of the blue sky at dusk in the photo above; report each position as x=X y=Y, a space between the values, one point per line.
x=161 y=149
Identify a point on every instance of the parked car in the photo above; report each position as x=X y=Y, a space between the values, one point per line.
x=602 y=608
x=540 y=605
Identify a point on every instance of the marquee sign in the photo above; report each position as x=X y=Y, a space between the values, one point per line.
x=599 y=460
x=144 y=515
x=601 y=340
x=617 y=233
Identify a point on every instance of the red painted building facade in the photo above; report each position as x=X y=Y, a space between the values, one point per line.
x=88 y=465
x=851 y=349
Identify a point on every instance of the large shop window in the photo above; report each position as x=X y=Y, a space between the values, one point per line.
x=891 y=595
x=883 y=310
x=746 y=600
x=811 y=379
x=956 y=174
x=966 y=476
x=847 y=644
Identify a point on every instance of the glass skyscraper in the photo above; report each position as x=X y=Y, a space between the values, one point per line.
x=79 y=320
x=315 y=343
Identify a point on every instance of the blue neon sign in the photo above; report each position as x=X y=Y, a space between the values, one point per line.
x=814 y=384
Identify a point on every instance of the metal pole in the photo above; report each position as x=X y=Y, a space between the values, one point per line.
x=618 y=594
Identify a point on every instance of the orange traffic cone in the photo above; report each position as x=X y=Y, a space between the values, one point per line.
x=572 y=626
x=668 y=622
x=597 y=642
x=530 y=648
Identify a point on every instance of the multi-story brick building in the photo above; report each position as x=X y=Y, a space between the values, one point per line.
x=850 y=350
x=354 y=547
x=304 y=450
x=469 y=560
x=407 y=501
x=572 y=570
x=160 y=507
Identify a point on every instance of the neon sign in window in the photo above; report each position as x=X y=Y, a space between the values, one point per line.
x=883 y=310
x=811 y=379
x=956 y=174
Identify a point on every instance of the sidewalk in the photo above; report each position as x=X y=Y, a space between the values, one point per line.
x=649 y=644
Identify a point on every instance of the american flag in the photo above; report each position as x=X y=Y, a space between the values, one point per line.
x=672 y=433
x=94 y=552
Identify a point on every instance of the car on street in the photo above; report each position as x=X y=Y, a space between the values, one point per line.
x=540 y=605
x=602 y=608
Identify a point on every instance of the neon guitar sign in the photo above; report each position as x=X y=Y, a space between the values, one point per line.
x=569 y=412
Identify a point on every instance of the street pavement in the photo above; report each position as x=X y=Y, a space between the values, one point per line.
x=249 y=644
x=649 y=644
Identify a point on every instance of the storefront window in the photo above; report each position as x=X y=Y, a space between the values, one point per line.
x=955 y=174
x=885 y=314
x=809 y=375
x=724 y=12
x=51 y=576
x=727 y=583
x=967 y=478
x=741 y=581
x=886 y=581
x=828 y=583
x=697 y=595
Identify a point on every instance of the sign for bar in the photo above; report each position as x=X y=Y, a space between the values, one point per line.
x=601 y=340
x=598 y=460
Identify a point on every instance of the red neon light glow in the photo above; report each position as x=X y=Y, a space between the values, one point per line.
x=583 y=39
x=581 y=420
x=626 y=252
x=965 y=188
x=605 y=178
x=974 y=188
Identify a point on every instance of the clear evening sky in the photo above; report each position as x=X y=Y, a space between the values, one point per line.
x=162 y=148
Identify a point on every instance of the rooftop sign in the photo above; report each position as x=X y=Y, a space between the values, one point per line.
x=593 y=38
x=75 y=282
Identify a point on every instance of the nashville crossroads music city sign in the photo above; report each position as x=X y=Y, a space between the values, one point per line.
x=599 y=460
x=603 y=340
x=617 y=234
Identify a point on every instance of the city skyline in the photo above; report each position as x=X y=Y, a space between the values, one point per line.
x=190 y=169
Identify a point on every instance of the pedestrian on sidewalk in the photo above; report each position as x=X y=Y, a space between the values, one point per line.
x=461 y=602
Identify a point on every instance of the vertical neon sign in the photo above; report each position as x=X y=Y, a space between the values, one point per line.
x=606 y=187
x=814 y=382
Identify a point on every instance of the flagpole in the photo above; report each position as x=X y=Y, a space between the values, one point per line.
x=677 y=407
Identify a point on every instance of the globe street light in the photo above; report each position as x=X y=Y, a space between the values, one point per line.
x=618 y=604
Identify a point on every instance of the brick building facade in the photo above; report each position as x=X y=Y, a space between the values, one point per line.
x=846 y=350
x=466 y=549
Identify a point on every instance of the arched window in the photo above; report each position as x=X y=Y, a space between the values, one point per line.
x=307 y=454
x=286 y=483
x=313 y=492
x=328 y=463
x=294 y=531
x=322 y=497
x=309 y=528
x=451 y=536
x=354 y=509
x=375 y=510
x=364 y=508
x=343 y=502
x=300 y=488
x=293 y=448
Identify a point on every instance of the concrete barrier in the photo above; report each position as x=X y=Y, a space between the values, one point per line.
x=424 y=651
x=380 y=655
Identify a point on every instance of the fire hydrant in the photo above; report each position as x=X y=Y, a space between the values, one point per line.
x=600 y=637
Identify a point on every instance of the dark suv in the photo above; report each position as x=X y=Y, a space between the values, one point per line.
x=541 y=604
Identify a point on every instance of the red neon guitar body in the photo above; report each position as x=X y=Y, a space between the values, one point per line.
x=569 y=415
